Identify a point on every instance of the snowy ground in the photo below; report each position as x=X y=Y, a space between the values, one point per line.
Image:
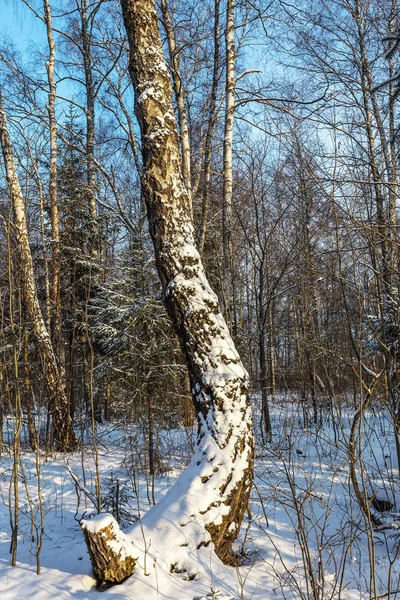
x=304 y=536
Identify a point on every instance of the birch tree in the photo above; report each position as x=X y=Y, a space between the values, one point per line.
x=86 y=28
x=212 y=109
x=63 y=434
x=179 y=94
x=227 y=158
x=208 y=501
x=54 y=216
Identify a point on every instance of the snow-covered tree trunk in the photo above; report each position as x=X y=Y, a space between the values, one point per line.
x=112 y=555
x=208 y=501
x=64 y=436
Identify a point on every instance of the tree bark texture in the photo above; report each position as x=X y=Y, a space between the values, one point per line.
x=230 y=84
x=54 y=213
x=63 y=435
x=208 y=501
x=86 y=26
x=179 y=95
x=111 y=554
x=218 y=380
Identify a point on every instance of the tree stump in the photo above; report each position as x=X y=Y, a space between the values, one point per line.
x=111 y=553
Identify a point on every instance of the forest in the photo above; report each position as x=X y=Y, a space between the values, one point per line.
x=199 y=299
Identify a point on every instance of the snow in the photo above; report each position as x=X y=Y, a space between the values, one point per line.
x=149 y=92
x=99 y=522
x=273 y=565
x=120 y=545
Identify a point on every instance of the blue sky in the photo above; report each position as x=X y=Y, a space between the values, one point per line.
x=27 y=32
x=19 y=24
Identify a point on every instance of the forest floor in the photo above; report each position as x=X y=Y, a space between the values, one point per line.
x=303 y=537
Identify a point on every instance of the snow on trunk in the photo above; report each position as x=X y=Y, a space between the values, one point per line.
x=213 y=492
x=208 y=501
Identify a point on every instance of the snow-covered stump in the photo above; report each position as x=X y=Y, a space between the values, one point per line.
x=111 y=553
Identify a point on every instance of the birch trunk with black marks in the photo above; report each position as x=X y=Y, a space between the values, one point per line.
x=212 y=109
x=54 y=213
x=86 y=27
x=229 y=119
x=179 y=95
x=63 y=435
x=230 y=84
x=208 y=501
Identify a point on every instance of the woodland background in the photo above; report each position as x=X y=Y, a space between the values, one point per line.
x=289 y=128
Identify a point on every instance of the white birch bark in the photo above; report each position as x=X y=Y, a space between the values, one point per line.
x=63 y=434
x=230 y=84
x=54 y=216
x=179 y=95
x=222 y=465
x=229 y=120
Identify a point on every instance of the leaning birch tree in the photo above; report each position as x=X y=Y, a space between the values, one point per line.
x=208 y=501
x=63 y=434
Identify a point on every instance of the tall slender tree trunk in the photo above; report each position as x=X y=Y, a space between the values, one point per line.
x=210 y=132
x=265 y=414
x=271 y=349
x=28 y=395
x=230 y=84
x=393 y=187
x=90 y=127
x=262 y=312
x=208 y=501
x=47 y=312
x=179 y=95
x=228 y=134
x=63 y=434
x=54 y=217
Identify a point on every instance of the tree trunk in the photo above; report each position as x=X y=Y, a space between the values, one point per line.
x=208 y=501
x=28 y=395
x=179 y=95
x=265 y=414
x=110 y=552
x=63 y=434
x=230 y=84
x=210 y=132
x=54 y=218
x=271 y=349
x=90 y=127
